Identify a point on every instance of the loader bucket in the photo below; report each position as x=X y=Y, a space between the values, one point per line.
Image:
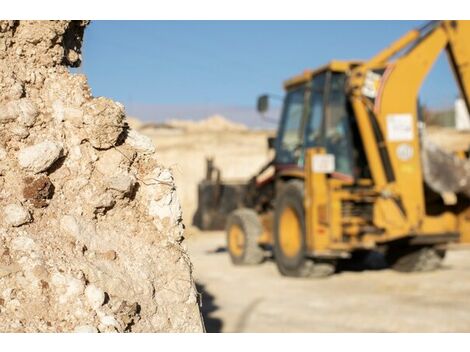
x=444 y=172
x=216 y=200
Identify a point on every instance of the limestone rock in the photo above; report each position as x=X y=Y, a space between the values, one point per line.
x=140 y=142
x=90 y=225
x=103 y=121
x=23 y=110
x=39 y=157
x=95 y=296
x=85 y=329
x=16 y=215
x=122 y=183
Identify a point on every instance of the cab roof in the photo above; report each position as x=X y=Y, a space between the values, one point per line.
x=307 y=75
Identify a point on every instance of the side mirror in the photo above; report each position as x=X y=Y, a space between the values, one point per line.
x=263 y=103
x=271 y=142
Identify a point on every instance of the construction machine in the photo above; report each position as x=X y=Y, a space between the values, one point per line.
x=353 y=169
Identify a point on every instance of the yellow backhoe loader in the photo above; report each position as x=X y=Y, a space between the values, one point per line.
x=353 y=169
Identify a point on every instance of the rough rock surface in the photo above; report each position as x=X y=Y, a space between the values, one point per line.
x=90 y=224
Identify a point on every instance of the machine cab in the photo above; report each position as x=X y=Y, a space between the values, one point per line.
x=316 y=113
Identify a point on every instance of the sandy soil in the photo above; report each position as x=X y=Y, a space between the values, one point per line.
x=258 y=299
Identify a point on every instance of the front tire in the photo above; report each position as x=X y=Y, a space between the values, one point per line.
x=243 y=230
x=290 y=250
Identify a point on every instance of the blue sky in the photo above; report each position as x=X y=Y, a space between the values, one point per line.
x=191 y=69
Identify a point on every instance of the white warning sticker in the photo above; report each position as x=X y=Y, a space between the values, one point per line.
x=404 y=151
x=371 y=84
x=400 y=128
x=323 y=163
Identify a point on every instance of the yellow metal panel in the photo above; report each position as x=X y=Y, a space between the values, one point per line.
x=307 y=75
x=316 y=200
x=446 y=222
x=389 y=217
x=394 y=48
x=464 y=226
x=370 y=144
x=298 y=80
x=399 y=100
x=459 y=51
x=335 y=217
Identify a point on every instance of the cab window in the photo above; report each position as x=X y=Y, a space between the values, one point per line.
x=314 y=126
x=337 y=134
x=290 y=136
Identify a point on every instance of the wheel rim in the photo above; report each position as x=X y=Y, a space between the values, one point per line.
x=236 y=240
x=290 y=233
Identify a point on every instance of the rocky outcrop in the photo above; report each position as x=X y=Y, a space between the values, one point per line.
x=90 y=223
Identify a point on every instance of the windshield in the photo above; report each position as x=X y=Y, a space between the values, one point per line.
x=290 y=137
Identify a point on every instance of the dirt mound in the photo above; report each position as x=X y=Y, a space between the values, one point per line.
x=449 y=139
x=215 y=123
x=90 y=223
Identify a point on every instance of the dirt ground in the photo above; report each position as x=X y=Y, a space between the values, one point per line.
x=258 y=299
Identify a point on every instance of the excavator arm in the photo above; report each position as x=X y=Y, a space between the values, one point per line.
x=384 y=95
x=458 y=49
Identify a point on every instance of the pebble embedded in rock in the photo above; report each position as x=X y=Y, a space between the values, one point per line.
x=3 y=166
x=109 y=320
x=122 y=183
x=38 y=190
x=23 y=110
x=108 y=255
x=95 y=296
x=39 y=157
x=85 y=329
x=140 y=142
x=16 y=215
x=103 y=122
x=27 y=112
x=22 y=243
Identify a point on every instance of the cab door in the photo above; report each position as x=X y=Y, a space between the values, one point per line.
x=337 y=130
x=314 y=129
x=290 y=140
x=328 y=121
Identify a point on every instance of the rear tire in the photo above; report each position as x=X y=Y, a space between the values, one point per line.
x=414 y=258
x=243 y=230
x=290 y=250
